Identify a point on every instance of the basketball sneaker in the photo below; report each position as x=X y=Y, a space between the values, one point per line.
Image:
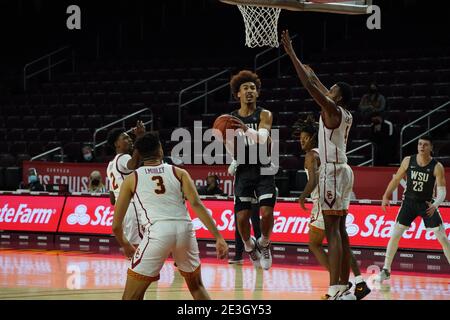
x=361 y=290
x=266 y=256
x=255 y=254
x=327 y=296
x=384 y=275
x=346 y=295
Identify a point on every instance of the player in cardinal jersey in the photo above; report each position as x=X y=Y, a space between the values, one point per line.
x=422 y=173
x=118 y=169
x=336 y=176
x=160 y=190
x=306 y=131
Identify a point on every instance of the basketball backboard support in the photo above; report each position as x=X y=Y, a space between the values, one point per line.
x=330 y=6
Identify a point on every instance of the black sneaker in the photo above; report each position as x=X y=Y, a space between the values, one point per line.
x=236 y=260
x=361 y=290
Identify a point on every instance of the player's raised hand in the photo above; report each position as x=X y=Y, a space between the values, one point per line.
x=431 y=209
x=221 y=249
x=236 y=123
x=139 y=130
x=385 y=203
x=287 y=42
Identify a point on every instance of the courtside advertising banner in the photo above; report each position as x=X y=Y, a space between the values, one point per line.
x=30 y=213
x=367 y=225
x=87 y=215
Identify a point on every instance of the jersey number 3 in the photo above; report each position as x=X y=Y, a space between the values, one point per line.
x=160 y=184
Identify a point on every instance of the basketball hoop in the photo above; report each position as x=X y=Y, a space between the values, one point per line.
x=261 y=16
x=261 y=25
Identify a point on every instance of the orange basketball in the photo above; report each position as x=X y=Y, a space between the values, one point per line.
x=220 y=126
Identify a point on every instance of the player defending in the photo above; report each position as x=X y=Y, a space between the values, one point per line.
x=336 y=176
x=160 y=190
x=256 y=123
x=306 y=131
x=118 y=169
x=422 y=173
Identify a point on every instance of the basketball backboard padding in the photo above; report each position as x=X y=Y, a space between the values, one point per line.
x=340 y=7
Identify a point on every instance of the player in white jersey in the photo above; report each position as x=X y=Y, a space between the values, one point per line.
x=118 y=169
x=160 y=190
x=306 y=131
x=336 y=176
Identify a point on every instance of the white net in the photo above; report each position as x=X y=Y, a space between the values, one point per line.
x=261 y=25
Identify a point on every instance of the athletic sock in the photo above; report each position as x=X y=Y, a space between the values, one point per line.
x=359 y=279
x=393 y=245
x=263 y=241
x=249 y=245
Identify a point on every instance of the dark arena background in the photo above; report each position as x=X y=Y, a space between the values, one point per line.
x=168 y=64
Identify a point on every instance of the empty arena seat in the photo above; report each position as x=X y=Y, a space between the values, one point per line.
x=22 y=157
x=77 y=121
x=15 y=134
x=12 y=178
x=35 y=148
x=13 y=122
x=65 y=135
x=48 y=134
x=82 y=135
x=7 y=160
x=94 y=121
x=29 y=121
x=44 y=122
x=18 y=147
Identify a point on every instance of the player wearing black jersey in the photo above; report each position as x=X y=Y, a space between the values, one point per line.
x=254 y=124
x=422 y=173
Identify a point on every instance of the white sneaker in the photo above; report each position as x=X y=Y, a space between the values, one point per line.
x=346 y=295
x=266 y=256
x=383 y=275
x=255 y=254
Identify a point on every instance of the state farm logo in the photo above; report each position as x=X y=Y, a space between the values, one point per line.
x=102 y=216
x=80 y=216
x=26 y=215
x=352 y=229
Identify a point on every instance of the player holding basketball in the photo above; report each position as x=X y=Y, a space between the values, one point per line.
x=250 y=179
x=306 y=131
x=336 y=176
x=118 y=169
x=160 y=190
x=422 y=174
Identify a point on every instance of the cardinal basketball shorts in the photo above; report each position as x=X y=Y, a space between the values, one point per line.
x=335 y=188
x=250 y=185
x=161 y=239
x=411 y=209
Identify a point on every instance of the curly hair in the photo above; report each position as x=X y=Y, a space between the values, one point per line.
x=242 y=77
x=309 y=125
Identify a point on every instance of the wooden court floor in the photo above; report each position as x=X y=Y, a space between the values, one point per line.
x=56 y=274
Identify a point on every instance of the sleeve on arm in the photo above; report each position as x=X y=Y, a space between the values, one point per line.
x=122 y=164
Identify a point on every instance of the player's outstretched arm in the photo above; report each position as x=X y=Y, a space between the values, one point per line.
x=123 y=201
x=393 y=184
x=441 y=189
x=311 y=166
x=191 y=194
x=315 y=90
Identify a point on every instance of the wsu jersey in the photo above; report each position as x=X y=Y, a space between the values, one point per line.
x=158 y=194
x=420 y=181
x=117 y=171
x=333 y=142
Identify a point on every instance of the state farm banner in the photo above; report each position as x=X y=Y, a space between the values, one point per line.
x=75 y=175
x=87 y=215
x=367 y=225
x=30 y=213
x=370 y=182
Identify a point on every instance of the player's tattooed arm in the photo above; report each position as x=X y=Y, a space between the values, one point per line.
x=315 y=89
x=311 y=166
x=393 y=184
x=313 y=77
x=123 y=201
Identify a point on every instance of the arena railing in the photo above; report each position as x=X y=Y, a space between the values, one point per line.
x=206 y=91
x=429 y=128
x=122 y=120
x=60 y=149
x=50 y=64
x=257 y=67
x=368 y=144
